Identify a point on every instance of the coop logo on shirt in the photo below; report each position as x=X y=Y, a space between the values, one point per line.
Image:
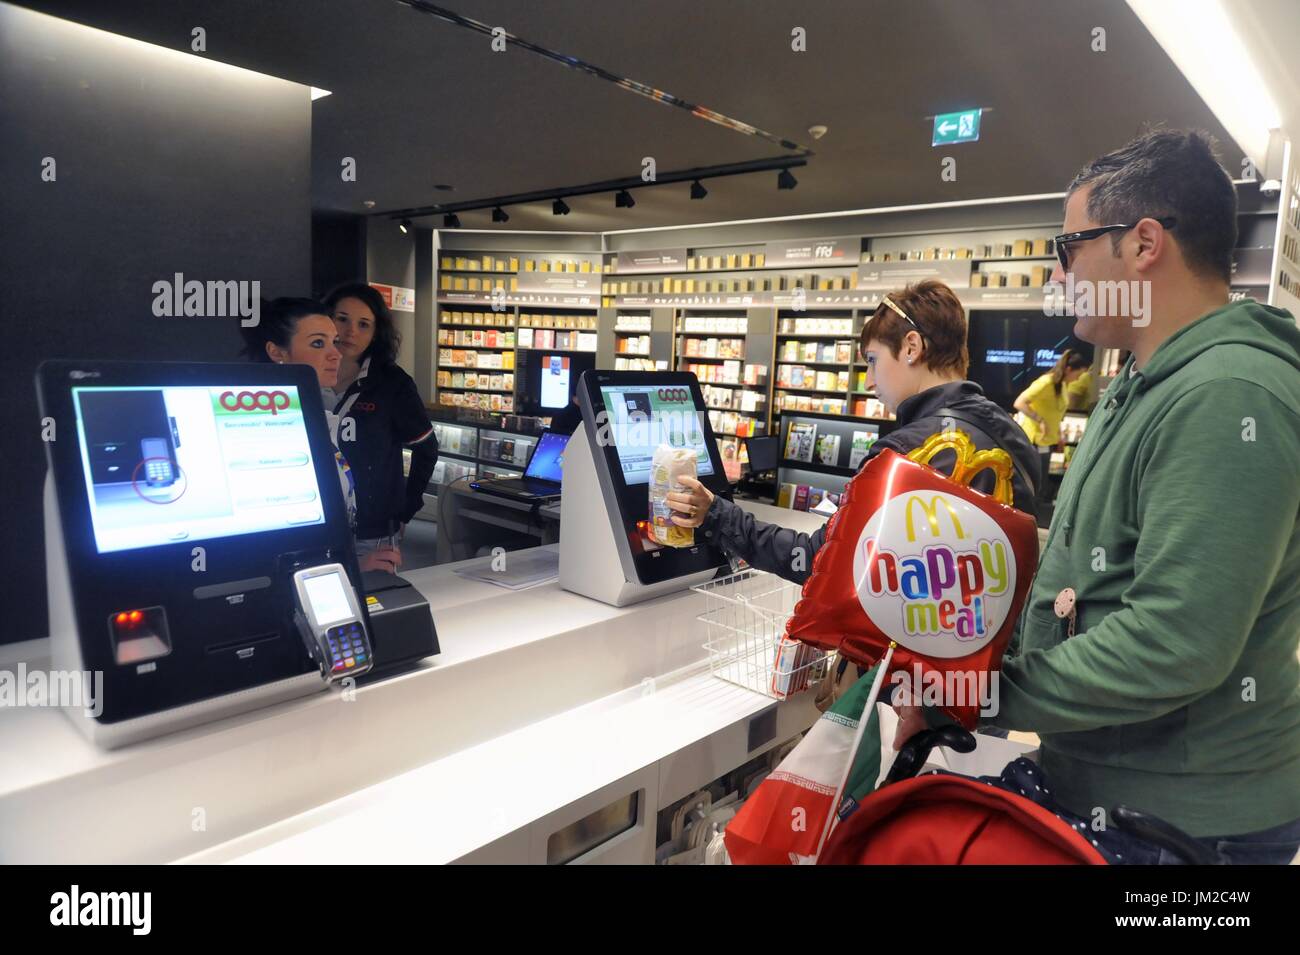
x=254 y=400
x=935 y=573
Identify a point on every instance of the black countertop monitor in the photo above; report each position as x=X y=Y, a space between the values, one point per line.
x=180 y=498
x=627 y=415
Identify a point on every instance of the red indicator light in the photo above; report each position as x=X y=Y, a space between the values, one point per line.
x=121 y=618
x=136 y=616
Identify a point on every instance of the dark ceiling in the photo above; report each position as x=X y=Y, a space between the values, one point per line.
x=418 y=101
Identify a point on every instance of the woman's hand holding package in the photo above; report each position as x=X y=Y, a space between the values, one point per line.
x=692 y=505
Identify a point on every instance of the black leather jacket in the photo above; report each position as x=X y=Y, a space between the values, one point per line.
x=789 y=553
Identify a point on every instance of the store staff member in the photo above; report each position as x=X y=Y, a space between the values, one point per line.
x=379 y=413
x=299 y=331
x=1043 y=405
x=914 y=347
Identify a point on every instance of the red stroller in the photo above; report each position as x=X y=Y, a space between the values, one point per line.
x=946 y=819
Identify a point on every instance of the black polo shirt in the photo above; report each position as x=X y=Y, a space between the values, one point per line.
x=386 y=413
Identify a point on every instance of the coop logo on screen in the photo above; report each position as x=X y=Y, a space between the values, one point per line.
x=674 y=394
x=254 y=400
x=935 y=573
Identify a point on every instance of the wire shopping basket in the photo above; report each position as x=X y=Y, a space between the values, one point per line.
x=746 y=616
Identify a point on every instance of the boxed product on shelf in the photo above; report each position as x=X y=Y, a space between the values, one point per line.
x=632 y=323
x=634 y=364
x=785 y=497
x=870 y=408
x=755 y=374
x=718 y=397
x=1039 y=275
x=800 y=440
x=730 y=450
x=862 y=442
x=828 y=449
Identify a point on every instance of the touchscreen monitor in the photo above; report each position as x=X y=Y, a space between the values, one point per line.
x=193 y=463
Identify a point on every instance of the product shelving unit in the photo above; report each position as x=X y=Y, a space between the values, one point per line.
x=993 y=255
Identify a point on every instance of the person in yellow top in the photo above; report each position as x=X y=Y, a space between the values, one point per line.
x=1080 y=390
x=1042 y=406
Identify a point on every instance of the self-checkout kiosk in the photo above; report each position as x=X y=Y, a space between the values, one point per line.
x=198 y=550
x=605 y=551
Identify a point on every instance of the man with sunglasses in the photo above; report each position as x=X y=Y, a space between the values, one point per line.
x=1157 y=654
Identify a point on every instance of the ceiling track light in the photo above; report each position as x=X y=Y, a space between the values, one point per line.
x=451 y=221
x=622 y=189
x=405 y=226
x=499 y=215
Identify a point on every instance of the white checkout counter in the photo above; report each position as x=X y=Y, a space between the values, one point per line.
x=542 y=708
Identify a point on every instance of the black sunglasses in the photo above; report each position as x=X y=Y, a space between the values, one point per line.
x=1062 y=242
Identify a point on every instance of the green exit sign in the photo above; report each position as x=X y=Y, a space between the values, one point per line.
x=956 y=128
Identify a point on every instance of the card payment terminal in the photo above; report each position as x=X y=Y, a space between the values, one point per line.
x=330 y=621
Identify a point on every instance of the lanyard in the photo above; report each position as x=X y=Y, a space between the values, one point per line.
x=344 y=408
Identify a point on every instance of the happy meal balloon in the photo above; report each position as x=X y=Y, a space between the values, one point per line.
x=920 y=558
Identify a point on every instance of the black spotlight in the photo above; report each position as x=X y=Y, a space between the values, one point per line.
x=559 y=208
x=786 y=180
x=697 y=190
x=405 y=226
x=451 y=221
x=623 y=200
x=499 y=215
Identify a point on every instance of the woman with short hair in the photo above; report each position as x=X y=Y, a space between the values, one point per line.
x=914 y=347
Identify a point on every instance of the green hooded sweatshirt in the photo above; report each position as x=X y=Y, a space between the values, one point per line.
x=1176 y=526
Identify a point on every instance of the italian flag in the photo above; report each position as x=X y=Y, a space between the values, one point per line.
x=783 y=822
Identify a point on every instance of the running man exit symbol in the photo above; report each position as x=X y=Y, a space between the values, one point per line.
x=952 y=128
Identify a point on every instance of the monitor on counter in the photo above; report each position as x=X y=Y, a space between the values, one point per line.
x=549 y=380
x=181 y=463
x=179 y=498
x=627 y=415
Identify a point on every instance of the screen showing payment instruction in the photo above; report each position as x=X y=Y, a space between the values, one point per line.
x=166 y=465
x=642 y=417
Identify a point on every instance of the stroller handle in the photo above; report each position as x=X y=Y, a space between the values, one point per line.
x=913 y=754
x=1165 y=835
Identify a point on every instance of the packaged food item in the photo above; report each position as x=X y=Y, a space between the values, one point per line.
x=667 y=468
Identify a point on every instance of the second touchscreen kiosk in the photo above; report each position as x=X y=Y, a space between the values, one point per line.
x=605 y=552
